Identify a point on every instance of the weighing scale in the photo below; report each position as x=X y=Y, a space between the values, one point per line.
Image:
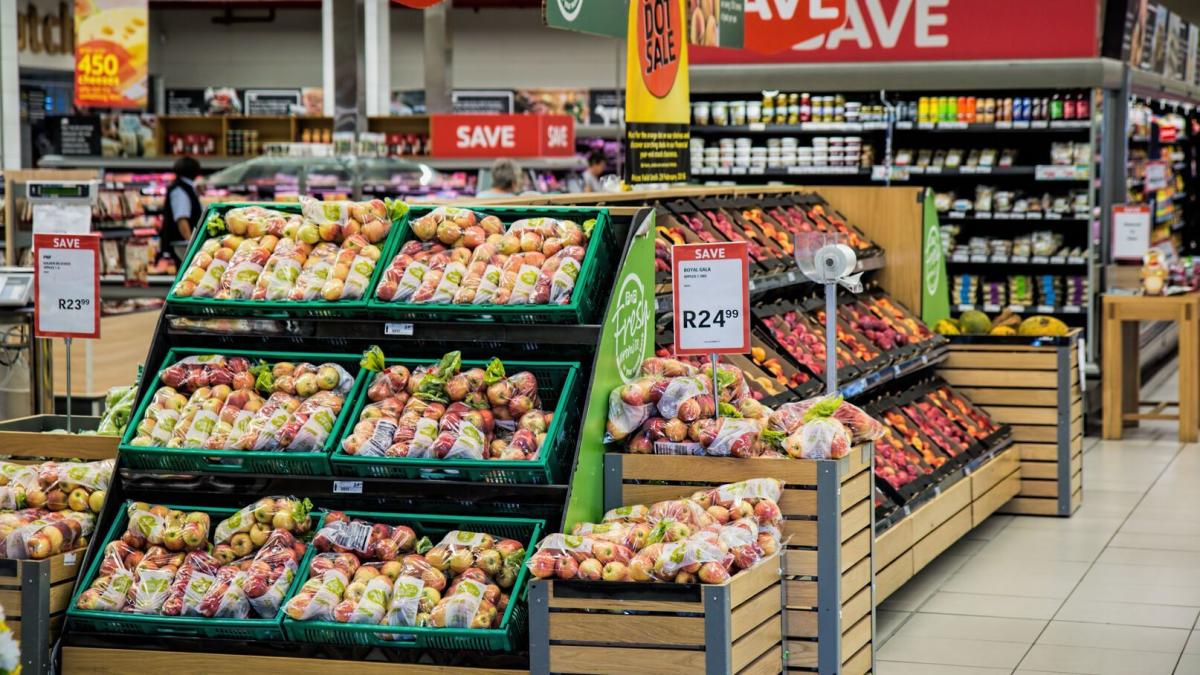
x=16 y=286
x=59 y=207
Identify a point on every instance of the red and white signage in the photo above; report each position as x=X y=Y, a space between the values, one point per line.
x=911 y=30
x=1157 y=175
x=711 y=298
x=502 y=135
x=66 y=285
x=1130 y=231
x=1168 y=133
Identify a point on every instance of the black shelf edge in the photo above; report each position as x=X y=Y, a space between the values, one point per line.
x=1065 y=310
x=868 y=383
x=1028 y=126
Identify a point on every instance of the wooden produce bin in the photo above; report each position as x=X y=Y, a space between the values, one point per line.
x=1031 y=384
x=35 y=595
x=911 y=543
x=25 y=437
x=827 y=506
x=108 y=661
x=588 y=627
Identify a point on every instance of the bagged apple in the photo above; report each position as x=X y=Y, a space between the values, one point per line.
x=410 y=604
x=271 y=572
x=465 y=608
x=374 y=541
x=154 y=576
x=630 y=535
x=368 y=606
x=192 y=582
x=629 y=406
x=227 y=598
x=559 y=555
x=310 y=425
x=282 y=270
x=283 y=513
x=790 y=417
x=318 y=597
x=391 y=381
x=51 y=535
x=108 y=593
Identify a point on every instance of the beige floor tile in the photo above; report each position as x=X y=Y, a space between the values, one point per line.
x=1193 y=643
x=886 y=623
x=1137 y=590
x=1098 y=661
x=1127 y=613
x=1034 y=545
x=978 y=604
x=998 y=576
x=1076 y=523
x=901 y=668
x=953 y=651
x=1158 y=525
x=989 y=528
x=1170 y=542
x=1189 y=664
x=1113 y=636
x=917 y=590
x=925 y=624
x=1149 y=557
x=1162 y=575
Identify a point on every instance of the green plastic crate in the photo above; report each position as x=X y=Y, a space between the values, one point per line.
x=276 y=308
x=201 y=460
x=585 y=306
x=560 y=391
x=176 y=626
x=508 y=637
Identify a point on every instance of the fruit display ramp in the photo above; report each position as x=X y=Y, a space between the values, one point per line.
x=187 y=328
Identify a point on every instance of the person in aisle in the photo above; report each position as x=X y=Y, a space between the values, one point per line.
x=507 y=177
x=182 y=209
x=597 y=163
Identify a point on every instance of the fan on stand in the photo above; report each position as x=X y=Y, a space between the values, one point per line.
x=827 y=260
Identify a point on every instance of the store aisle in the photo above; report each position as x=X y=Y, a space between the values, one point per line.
x=1114 y=589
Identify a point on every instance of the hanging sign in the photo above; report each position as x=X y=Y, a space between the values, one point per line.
x=711 y=298
x=66 y=285
x=832 y=31
x=111 y=54
x=502 y=135
x=598 y=17
x=1156 y=176
x=657 y=109
x=1130 y=231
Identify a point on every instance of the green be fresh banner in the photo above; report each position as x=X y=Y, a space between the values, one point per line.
x=598 y=17
x=627 y=340
x=935 y=293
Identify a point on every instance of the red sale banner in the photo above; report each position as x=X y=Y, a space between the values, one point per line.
x=111 y=54
x=502 y=135
x=912 y=30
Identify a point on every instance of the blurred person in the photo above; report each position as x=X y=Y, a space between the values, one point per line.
x=182 y=209
x=507 y=177
x=597 y=162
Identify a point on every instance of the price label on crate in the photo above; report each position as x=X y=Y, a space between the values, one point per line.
x=711 y=298
x=66 y=285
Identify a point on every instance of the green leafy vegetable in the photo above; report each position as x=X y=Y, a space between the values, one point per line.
x=372 y=359
x=823 y=408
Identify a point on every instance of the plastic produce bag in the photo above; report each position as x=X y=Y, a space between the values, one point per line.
x=227 y=598
x=192 y=582
x=318 y=597
x=284 y=513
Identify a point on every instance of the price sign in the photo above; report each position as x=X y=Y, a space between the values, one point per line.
x=711 y=298
x=66 y=285
x=1130 y=231
x=1156 y=176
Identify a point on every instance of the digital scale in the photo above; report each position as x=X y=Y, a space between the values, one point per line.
x=16 y=286
x=61 y=207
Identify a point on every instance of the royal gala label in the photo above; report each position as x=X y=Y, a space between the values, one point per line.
x=502 y=135
x=111 y=54
x=912 y=30
x=660 y=35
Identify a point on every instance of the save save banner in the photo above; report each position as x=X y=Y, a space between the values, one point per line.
x=111 y=53
x=502 y=135
x=656 y=99
x=788 y=31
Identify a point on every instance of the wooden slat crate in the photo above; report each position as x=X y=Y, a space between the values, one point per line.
x=1033 y=385
x=828 y=511
x=35 y=595
x=587 y=627
x=26 y=437
x=935 y=525
x=108 y=661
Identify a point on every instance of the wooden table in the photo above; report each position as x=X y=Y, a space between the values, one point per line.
x=1119 y=366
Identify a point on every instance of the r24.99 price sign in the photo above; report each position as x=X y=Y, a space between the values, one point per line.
x=66 y=285
x=711 y=284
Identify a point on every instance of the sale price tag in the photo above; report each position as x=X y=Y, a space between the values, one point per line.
x=711 y=298
x=66 y=285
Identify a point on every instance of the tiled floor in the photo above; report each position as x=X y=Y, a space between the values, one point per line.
x=1114 y=589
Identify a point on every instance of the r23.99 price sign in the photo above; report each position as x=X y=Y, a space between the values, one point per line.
x=66 y=285
x=711 y=284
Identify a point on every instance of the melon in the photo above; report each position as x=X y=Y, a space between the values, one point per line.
x=975 y=322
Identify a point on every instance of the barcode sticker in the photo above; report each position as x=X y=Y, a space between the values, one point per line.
x=347 y=487
x=669 y=448
x=356 y=536
x=69 y=558
x=401 y=329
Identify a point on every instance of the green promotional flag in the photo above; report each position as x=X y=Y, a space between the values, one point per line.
x=598 y=17
x=935 y=294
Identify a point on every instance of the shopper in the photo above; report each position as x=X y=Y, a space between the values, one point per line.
x=507 y=177
x=597 y=163
x=182 y=210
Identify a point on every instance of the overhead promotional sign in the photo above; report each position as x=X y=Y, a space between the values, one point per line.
x=715 y=23
x=656 y=99
x=830 y=31
x=502 y=135
x=66 y=285
x=1130 y=231
x=111 y=54
x=598 y=17
x=711 y=298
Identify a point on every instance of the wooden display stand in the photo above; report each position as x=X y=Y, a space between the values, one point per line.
x=35 y=595
x=26 y=437
x=98 y=661
x=828 y=571
x=932 y=527
x=735 y=627
x=1032 y=384
x=1119 y=369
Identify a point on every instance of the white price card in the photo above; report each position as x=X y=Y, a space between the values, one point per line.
x=1130 y=231
x=711 y=298
x=1156 y=176
x=66 y=285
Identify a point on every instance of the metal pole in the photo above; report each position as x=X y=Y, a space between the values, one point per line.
x=349 y=94
x=68 y=341
x=831 y=386
x=716 y=391
x=439 y=59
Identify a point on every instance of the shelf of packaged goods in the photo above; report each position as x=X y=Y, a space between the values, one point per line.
x=1017 y=261
x=1040 y=173
x=960 y=216
x=747 y=172
x=801 y=128
x=1065 y=310
x=763 y=284
x=214 y=162
x=1016 y=126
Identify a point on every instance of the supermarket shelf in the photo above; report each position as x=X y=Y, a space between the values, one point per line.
x=1035 y=260
x=959 y=216
x=789 y=171
x=989 y=127
x=802 y=128
x=1045 y=172
x=872 y=381
x=606 y=131
x=1025 y=309
x=113 y=287
x=1160 y=86
x=572 y=163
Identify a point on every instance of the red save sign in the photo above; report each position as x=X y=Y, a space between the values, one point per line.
x=912 y=30
x=66 y=285
x=502 y=135
x=711 y=298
